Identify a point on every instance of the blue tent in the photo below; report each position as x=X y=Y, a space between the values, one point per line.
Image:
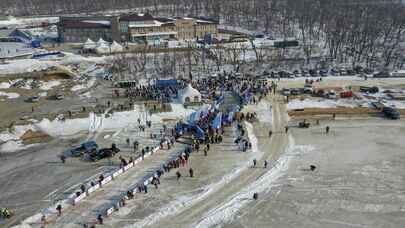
x=166 y=83
x=198 y=132
x=35 y=43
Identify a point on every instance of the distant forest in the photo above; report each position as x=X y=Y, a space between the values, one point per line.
x=359 y=30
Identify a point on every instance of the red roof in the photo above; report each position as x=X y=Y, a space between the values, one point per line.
x=82 y=24
x=137 y=17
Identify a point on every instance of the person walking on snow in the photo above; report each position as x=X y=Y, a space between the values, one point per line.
x=254 y=162
x=59 y=209
x=327 y=129
x=265 y=164
x=178 y=174
x=191 y=171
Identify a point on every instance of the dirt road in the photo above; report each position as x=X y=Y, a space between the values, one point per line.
x=271 y=149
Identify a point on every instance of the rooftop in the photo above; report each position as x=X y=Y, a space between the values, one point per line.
x=85 y=24
x=137 y=17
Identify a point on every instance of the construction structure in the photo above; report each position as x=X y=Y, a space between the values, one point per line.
x=136 y=28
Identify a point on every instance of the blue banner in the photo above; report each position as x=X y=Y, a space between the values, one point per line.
x=216 y=124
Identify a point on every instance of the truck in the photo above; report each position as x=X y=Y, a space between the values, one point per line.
x=391 y=113
x=86 y=147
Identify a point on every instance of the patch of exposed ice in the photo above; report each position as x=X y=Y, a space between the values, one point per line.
x=9 y=95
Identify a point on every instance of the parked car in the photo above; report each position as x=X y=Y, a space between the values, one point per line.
x=358 y=69
x=295 y=92
x=102 y=153
x=391 y=113
x=343 y=72
x=382 y=74
x=308 y=89
x=286 y=92
x=350 y=72
x=368 y=71
x=334 y=72
x=305 y=73
x=85 y=147
x=331 y=95
x=323 y=72
x=346 y=94
x=313 y=73
x=33 y=99
x=366 y=89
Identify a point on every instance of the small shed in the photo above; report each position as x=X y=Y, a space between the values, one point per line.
x=189 y=94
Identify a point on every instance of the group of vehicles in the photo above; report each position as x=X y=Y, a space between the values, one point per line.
x=324 y=72
x=35 y=99
x=90 y=151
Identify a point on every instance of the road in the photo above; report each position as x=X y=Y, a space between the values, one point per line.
x=87 y=210
x=272 y=150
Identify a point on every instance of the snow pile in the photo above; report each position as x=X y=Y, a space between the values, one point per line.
x=5 y=85
x=49 y=85
x=226 y=211
x=25 y=65
x=324 y=103
x=10 y=140
x=94 y=122
x=9 y=95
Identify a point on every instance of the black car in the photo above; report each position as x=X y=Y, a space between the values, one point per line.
x=358 y=69
x=313 y=73
x=350 y=72
x=391 y=113
x=323 y=73
x=382 y=74
x=102 y=153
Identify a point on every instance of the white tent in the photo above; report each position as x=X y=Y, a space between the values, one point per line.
x=116 y=47
x=89 y=44
x=189 y=94
x=102 y=42
x=103 y=49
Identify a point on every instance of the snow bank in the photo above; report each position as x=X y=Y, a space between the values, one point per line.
x=9 y=95
x=10 y=140
x=324 y=103
x=25 y=65
x=94 y=123
x=225 y=212
x=5 y=85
